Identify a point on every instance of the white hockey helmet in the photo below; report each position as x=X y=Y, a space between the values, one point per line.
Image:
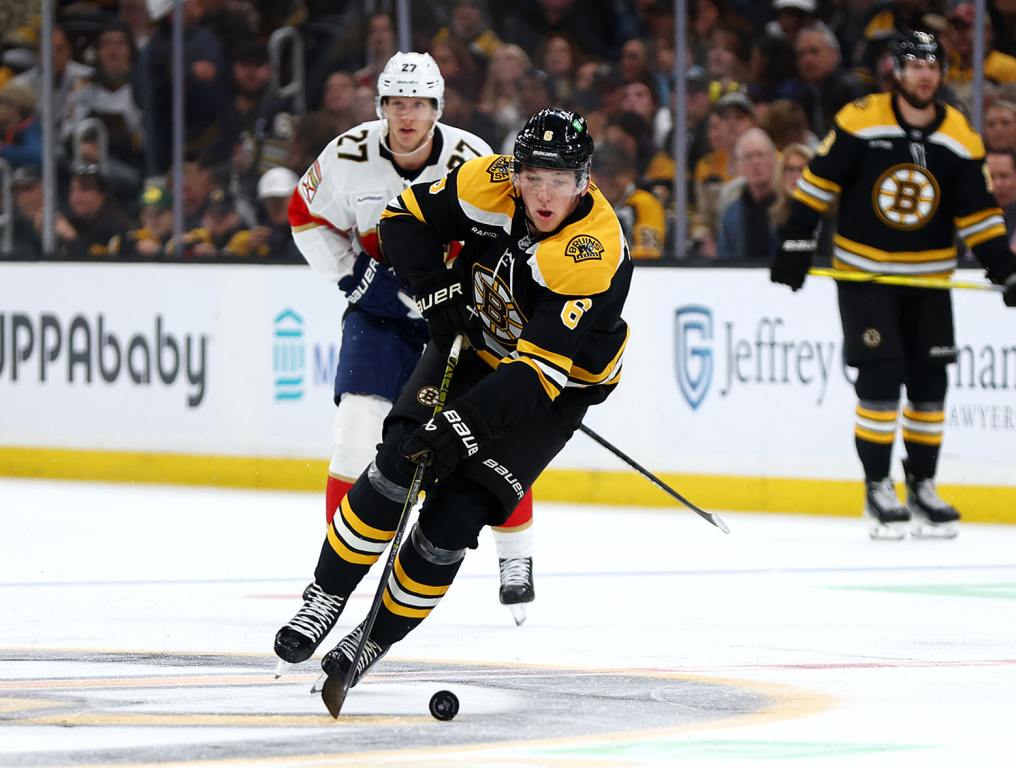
x=413 y=75
x=277 y=182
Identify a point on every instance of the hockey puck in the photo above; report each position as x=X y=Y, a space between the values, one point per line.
x=444 y=705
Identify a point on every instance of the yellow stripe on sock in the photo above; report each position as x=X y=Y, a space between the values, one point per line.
x=354 y=522
x=922 y=438
x=346 y=553
x=875 y=437
x=415 y=586
x=400 y=610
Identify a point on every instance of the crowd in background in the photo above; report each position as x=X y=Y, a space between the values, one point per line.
x=764 y=79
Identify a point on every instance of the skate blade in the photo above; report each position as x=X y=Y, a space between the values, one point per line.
x=282 y=668
x=518 y=613
x=319 y=684
x=922 y=529
x=887 y=531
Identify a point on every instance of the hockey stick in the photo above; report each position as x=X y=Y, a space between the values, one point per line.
x=906 y=280
x=334 y=691
x=710 y=516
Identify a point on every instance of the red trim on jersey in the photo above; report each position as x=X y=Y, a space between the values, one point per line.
x=300 y=215
x=523 y=512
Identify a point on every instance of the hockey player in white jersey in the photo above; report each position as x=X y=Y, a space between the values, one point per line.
x=333 y=214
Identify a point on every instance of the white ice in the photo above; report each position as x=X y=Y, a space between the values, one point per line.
x=870 y=653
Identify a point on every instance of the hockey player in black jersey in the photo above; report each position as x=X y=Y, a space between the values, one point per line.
x=538 y=289
x=910 y=175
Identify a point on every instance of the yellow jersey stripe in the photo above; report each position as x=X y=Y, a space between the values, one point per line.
x=409 y=200
x=354 y=522
x=821 y=183
x=492 y=360
x=558 y=361
x=581 y=374
x=878 y=254
x=985 y=235
x=549 y=387
x=346 y=553
x=814 y=203
x=400 y=610
x=414 y=586
x=874 y=437
x=962 y=222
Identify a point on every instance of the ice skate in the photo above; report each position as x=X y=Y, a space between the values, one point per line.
x=336 y=662
x=298 y=639
x=517 y=585
x=931 y=516
x=889 y=518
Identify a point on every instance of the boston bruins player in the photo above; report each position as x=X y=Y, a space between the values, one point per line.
x=910 y=175
x=538 y=288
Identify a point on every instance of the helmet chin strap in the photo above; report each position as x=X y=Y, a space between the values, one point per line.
x=388 y=144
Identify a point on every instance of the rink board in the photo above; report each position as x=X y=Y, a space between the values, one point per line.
x=733 y=388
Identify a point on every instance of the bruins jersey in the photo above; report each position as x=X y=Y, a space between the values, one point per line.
x=644 y=222
x=549 y=306
x=905 y=193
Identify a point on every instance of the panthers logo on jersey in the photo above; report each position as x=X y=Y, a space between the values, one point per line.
x=499 y=313
x=906 y=196
x=499 y=170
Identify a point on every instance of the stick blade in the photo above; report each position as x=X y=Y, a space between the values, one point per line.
x=719 y=522
x=333 y=694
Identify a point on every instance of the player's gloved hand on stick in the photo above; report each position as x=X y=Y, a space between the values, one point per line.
x=1009 y=297
x=443 y=301
x=448 y=438
x=792 y=261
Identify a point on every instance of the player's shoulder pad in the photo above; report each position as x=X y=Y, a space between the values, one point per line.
x=484 y=187
x=582 y=258
x=957 y=134
x=868 y=114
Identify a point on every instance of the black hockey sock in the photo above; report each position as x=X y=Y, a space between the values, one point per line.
x=923 y=428
x=423 y=572
x=874 y=432
x=360 y=531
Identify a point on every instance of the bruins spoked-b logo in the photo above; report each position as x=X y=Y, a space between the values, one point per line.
x=583 y=248
x=906 y=196
x=427 y=396
x=499 y=170
x=496 y=307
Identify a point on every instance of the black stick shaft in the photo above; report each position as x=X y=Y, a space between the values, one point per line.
x=711 y=517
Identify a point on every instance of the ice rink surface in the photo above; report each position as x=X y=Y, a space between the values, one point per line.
x=138 y=624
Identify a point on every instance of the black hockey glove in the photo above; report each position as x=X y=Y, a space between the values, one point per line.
x=793 y=259
x=443 y=442
x=442 y=300
x=1009 y=297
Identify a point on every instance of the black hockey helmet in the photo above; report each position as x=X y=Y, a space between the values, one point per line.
x=912 y=44
x=555 y=138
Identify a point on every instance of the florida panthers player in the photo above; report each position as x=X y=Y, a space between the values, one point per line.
x=334 y=213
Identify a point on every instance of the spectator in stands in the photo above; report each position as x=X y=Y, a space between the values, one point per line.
x=257 y=124
x=499 y=97
x=470 y=26
x=135 y=15
x=364 y=104
x=772 y=70
x=884 y=21
x=786 y=124
x=457 y=63
x=337 y=101
x=381 y=46
x=697 y=109
x=94 y=216
x=1000 y=125
x=829 y=87
x=559 y=58
x=20 y=132
x=222 y=232
x=592 y=24
x=66 y=74
x=206 y=89
x=727 y=59
x=640 y=97
x=273 y=231
x=107 y=95
x=745 y=230
x=998 y=67
x=198 y=182
x=311 y=133
x=634 y=64
x=1002 y=165
x=149 y=240
x=640 y=213
x=534 y=94
x=461 y=112
x=26 y=186
x=791 y=17
x=704 y=17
